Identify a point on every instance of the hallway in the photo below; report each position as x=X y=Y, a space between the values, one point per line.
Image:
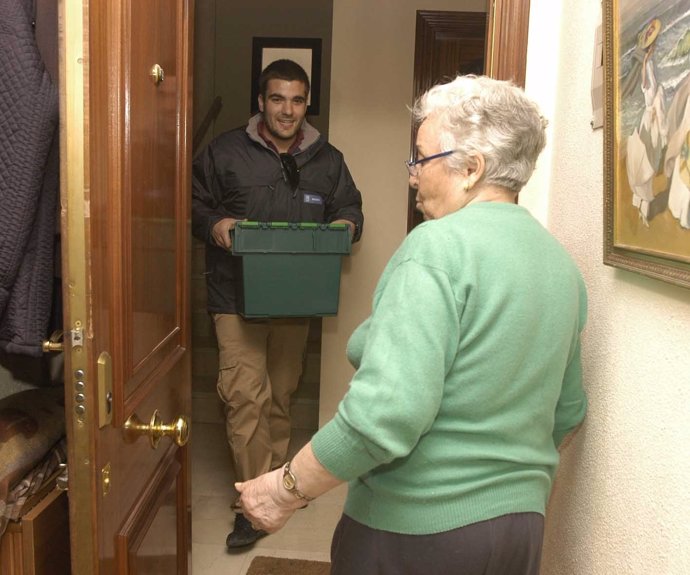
x=306 y=536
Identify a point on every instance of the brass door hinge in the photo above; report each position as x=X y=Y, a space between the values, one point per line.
x=54 y=343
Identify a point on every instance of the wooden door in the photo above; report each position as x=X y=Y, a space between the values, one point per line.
x=446 y=44
x=125 y=86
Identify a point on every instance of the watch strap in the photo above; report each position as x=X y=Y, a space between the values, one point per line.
x=290 y=483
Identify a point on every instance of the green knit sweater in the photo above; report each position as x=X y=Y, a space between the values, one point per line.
x=467 y=376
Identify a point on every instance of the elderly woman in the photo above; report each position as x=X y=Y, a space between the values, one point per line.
x=468 y=370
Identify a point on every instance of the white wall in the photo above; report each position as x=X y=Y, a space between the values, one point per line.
x=622 y=499
x=371 y=87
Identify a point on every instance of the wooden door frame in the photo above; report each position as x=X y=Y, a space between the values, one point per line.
x=506 y=40
x=74 y=121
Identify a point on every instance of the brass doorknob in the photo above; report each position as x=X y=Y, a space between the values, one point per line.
x=155 y=429
x=157 y=74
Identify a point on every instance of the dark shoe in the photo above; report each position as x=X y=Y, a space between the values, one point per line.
x=243 y=533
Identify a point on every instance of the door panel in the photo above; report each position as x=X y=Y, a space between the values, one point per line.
x=151 y=171
x=126 y=252
x=147 y=542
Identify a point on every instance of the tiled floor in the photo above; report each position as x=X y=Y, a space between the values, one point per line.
x=307 y=535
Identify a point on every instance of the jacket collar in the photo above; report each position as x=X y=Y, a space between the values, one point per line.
x=310 y=134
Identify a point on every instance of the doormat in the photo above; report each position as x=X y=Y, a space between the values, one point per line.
x=281 y=566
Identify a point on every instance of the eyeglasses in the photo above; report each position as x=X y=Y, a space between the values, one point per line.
x=290 y=170
x=412 y=164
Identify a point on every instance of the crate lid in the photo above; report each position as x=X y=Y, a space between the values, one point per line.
x=290 y=238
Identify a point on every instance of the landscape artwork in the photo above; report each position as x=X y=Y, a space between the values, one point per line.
x=647 y=137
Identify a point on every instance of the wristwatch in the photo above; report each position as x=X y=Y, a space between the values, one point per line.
x=290 y=483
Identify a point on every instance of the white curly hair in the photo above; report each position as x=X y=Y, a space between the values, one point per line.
x=492 y=117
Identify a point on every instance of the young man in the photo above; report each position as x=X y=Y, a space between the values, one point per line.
x=277 y=168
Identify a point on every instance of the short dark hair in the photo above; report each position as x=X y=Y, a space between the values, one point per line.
x=282 y=70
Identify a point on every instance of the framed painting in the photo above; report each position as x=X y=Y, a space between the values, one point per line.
x=305 y=51
x=647 y=137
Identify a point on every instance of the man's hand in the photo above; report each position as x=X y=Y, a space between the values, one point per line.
x=221 y=232
x=349 y=223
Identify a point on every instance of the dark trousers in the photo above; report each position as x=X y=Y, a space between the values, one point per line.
x=506 y=545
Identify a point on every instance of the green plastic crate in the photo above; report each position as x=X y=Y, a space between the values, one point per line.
x=289 y=270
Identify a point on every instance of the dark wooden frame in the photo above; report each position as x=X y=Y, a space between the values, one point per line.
x=507 y=27
x=259 y=44
x=438 y=30
x=435 y=23
x=627 y=257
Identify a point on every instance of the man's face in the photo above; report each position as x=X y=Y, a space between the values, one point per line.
x=439 y=191
x=283 y=110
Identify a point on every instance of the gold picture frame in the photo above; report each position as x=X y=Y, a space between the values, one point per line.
x=647 y=138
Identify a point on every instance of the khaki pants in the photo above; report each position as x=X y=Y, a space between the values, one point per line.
x=260 y=363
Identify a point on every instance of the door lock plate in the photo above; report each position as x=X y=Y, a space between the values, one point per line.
x=105 y=389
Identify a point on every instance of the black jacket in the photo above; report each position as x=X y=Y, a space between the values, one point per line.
x=29 y=184
x=239 y=176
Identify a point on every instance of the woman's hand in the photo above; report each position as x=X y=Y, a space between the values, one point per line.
x=266 y=503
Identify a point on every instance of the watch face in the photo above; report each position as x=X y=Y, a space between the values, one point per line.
x=289 y=482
